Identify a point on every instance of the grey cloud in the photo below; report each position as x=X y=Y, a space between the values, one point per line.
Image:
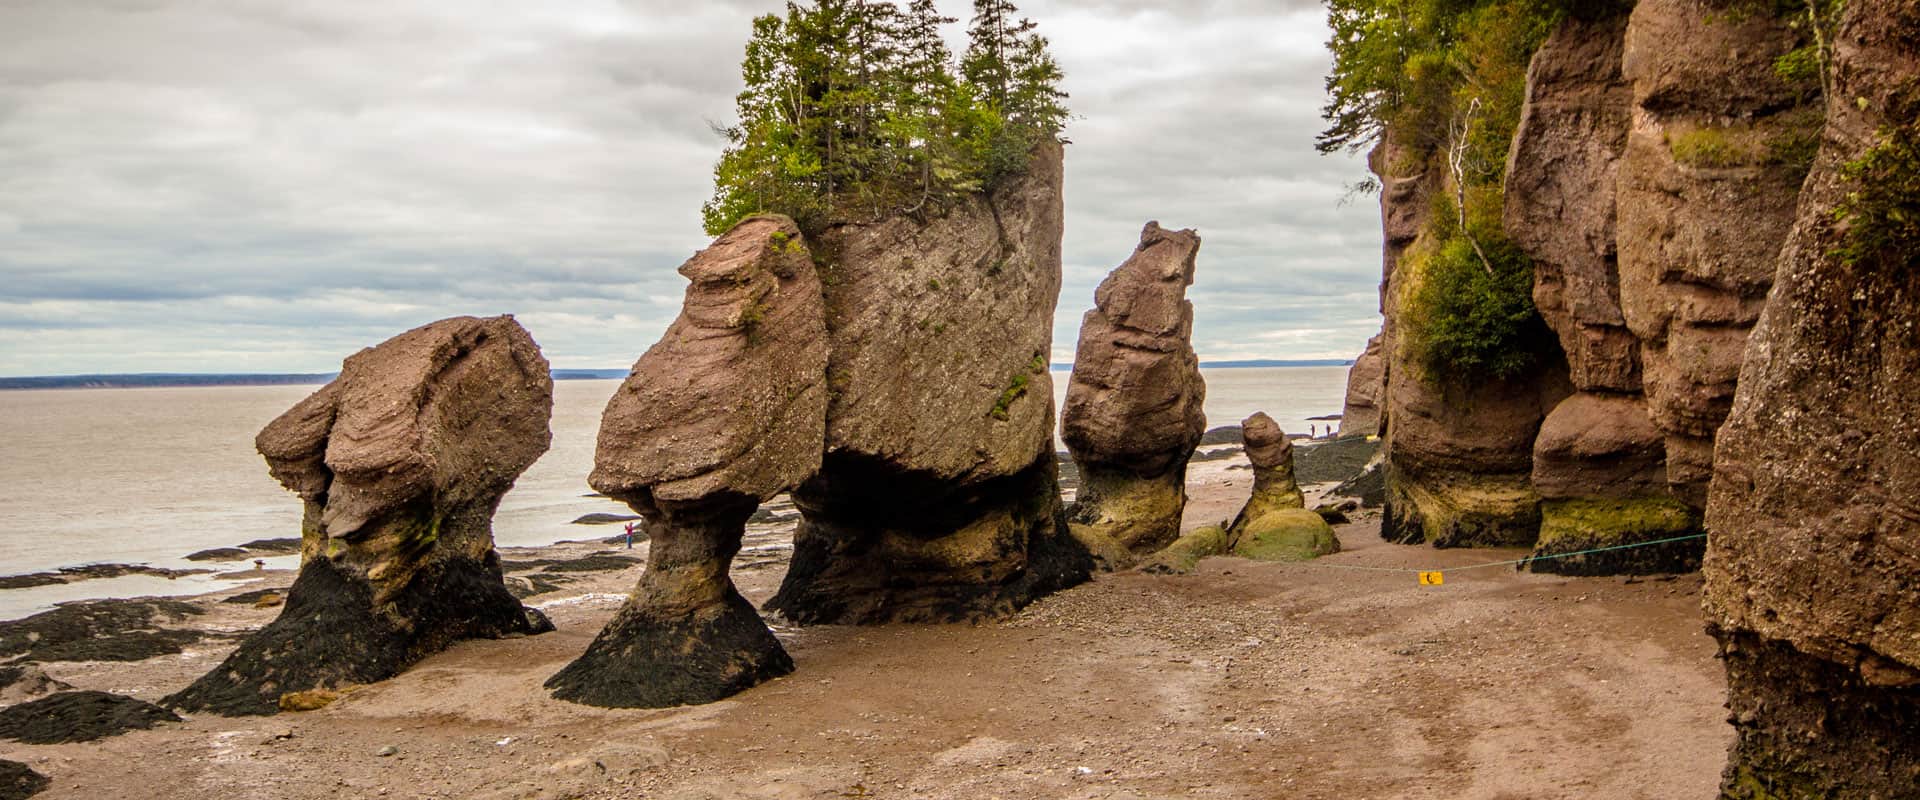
x=237 y=184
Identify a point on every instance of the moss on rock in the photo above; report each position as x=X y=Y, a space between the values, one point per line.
x=1576 y=525
x=1288 y=534
x=1180 y=557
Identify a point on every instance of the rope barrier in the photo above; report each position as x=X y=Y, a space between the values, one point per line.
x=1436 y=572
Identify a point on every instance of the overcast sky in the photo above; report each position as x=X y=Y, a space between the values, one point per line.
x=270 y=185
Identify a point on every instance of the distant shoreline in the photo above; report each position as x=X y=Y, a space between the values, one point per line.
x=183 y=379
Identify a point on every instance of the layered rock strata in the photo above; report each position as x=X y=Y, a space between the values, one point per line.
x=401 y=461
x=727 y=410
x=1706 y=193
x=1133 y=410
x=1599 y=463
x=1275 y=524
x=1366 y=390
x=938 y=497
x=1814 y=510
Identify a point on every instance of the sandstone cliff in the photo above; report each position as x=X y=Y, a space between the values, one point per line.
x=401 y=461
x=1814 y=510
x=1366 y=388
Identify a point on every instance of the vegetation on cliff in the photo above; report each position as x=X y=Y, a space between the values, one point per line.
x=857 y=108
x=1446 y=81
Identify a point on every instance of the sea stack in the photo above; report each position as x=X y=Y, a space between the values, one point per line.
x=1814 y=511
x=1275 y=524
x=1133 y=411
x=401 y=461
x=938 y=497
x=727 y=410
x=1599 y=462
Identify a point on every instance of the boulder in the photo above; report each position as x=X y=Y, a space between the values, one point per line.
x=1814 y=509
x=937 y=498
x=1599 y=466
x=1285 y=534
x=1706 y=193
x=726 y=411
x=1366 y=390
x=401 y=461
x=1133 y=411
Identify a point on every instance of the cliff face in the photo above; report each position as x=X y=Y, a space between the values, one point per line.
x=1459 y=451
x=1599 y=463
x=1814 y=510
x=1650 y=185
x=1706 y=194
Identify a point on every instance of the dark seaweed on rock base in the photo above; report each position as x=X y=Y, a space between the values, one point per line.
x=331 y=634
x=401 y=462
x=79 y=717
x=19 y=782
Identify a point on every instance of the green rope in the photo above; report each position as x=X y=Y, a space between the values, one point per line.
x=1511 y=561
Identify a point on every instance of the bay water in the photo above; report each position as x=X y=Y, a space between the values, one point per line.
x=150 y=475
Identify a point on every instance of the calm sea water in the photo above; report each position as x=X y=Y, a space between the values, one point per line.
x=150 y=475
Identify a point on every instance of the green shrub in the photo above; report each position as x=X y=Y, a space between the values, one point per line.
x=1467 y=319
x=1882 y=211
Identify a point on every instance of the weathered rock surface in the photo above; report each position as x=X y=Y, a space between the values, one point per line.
x=1180 y=557
x=937 y=498
x=1707 y=190
x=19 y=782
x=1560 y=199
x=1133 y=410
x=1275 y=524
x=1599 y=466
x=727 y=410
x=401 y=461
x=79 y=717
x=1815 y=503
x=1366 y=390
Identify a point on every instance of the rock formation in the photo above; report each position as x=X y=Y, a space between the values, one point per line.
x=1459 y=454
x=1133 y=412
x=1814 y=510
x=1705 y=196
x=1275 y=524
x=401 y=461
x=1599 y=464
x=727 y=410
x=1366 y=389
x=937 y=497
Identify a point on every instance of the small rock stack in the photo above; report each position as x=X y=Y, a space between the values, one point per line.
x=1275 y=525
x=1133 y=411
x=401 y=461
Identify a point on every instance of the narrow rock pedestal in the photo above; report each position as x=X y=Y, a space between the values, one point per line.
x=1275 y=524
x=727 y=410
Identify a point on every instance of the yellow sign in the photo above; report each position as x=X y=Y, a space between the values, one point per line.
x=1432 y=578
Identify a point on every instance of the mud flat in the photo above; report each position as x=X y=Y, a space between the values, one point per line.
x=1243 y=680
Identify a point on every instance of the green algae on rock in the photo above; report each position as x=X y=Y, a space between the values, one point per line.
x=1286 y=534
x=1575 y=526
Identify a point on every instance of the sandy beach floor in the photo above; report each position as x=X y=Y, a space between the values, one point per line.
x=1244 y=680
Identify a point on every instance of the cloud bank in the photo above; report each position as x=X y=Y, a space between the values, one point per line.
x=269 y=185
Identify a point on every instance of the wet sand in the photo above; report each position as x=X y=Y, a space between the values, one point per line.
x=1244 y=680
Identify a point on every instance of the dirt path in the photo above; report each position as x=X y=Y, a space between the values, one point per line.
x=1245 y=680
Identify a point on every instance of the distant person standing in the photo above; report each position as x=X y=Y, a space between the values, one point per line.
x=629 y=536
